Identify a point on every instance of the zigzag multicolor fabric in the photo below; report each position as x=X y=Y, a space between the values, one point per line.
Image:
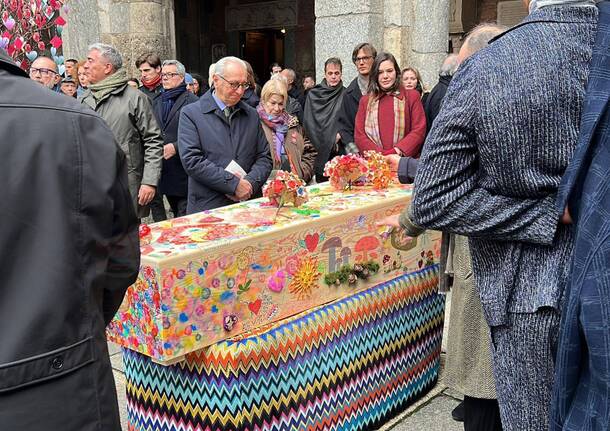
x=349 y=365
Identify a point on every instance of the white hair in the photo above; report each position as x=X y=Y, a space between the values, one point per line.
x=179 y=66
x=221 y=65
x=211 y=70
x=110 y=53
x=450 y=65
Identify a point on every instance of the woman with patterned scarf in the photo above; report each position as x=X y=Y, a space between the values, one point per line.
x=290 y=148
x=390 y=119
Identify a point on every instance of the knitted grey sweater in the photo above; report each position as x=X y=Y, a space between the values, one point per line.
x=494 y=158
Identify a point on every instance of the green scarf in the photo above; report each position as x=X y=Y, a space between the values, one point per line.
x=109 y=84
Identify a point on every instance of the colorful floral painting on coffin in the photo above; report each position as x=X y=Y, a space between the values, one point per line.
x=181 y=305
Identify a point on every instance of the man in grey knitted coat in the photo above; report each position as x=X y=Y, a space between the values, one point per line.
x=490 y=170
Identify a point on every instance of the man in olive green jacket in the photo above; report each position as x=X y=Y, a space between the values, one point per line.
x=128 y=113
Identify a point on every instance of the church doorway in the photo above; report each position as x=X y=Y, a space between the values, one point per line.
x=261 y=48
x=261 y=32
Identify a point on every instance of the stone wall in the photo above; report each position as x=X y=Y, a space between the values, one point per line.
x=342 y=25
x=415 y=31
x=132 y=26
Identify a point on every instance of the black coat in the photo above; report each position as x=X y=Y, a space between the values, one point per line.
x=174 y=181
x=349 y=108
x=434 y=100
x=297 y=94
x=68 y=251
x=208 y=142
x=251 y=97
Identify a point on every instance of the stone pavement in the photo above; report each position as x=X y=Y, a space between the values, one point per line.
x=431 y=413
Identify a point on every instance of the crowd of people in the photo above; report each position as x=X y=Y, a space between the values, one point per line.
x=302 y=125
x=487 y=152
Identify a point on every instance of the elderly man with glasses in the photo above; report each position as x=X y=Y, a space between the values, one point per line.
x=44 y=71
x=221 y=142
x=167 y=107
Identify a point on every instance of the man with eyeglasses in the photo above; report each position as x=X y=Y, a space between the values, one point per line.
x=128 y=113
x=221 y=142
x=44 y=71
x=167 y=107
x=363 y=57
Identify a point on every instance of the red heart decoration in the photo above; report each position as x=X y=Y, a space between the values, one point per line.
x=255 y=306
x=311 y=241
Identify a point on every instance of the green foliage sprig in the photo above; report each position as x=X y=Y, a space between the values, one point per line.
x=350 y=274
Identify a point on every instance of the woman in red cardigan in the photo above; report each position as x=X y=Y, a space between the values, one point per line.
x=390 y=119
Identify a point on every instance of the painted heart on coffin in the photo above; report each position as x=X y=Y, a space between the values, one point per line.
x=311 y=241
x=255 y=306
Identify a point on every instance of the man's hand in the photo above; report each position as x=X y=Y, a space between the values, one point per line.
x=337 y=138
x=393 y=160
x=169 y=151
x=566 y=218
x=391 y=221
x=146 y=194
x=243 y=190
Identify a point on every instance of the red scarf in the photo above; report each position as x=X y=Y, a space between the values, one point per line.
x=151 y=85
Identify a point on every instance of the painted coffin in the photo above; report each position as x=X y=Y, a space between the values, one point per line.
x=215 y=274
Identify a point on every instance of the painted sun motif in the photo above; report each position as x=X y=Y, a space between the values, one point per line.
x=305 y=278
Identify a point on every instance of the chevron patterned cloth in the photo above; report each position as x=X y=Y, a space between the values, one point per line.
x=348 y=365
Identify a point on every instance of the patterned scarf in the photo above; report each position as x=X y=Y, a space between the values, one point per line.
x=537 y=4
x=371 y=122
x=279 y=125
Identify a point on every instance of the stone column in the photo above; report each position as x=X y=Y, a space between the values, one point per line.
x=341 y=25
x=82 y=27
x=429 y=38
x=397 y=27
x=132 y=26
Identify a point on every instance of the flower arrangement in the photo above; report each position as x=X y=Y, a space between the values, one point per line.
x=286 y=188
x=345 y=171
x=379 y=174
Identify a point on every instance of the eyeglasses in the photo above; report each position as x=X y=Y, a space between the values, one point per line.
x=42 y=71
x=365 y=58
x=236 y=85
x=169 y=75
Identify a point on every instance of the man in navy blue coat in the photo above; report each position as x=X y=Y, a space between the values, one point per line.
x=216 y=131
x=582 y=386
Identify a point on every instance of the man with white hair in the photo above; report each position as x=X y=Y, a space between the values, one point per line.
x=128 y=113
x=221 y=142
x=167 y=107
x=293 y=91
